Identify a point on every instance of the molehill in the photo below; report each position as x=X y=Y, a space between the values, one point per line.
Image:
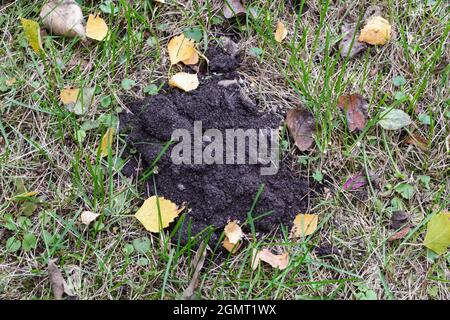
x=216 y=193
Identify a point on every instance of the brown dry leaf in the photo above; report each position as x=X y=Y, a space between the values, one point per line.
x=346 y=47
x=355 y=108
x=196 y=264
x=233 y=8
x=418 y=141
x=233 y=232
x=107 y=140
x=231 y=247
x=301 y=125
x=68 y=96
x=184 y=81
x=96 y=28
x=399 y=219
x=304 y=225
x=57 y=282
x=33 y=34
x=281 y=32
x=400 y=234
x=87 y=217
x=280 y=261
x=377 y=31
x=63 y=18
x=156 y=213
x=182 y=49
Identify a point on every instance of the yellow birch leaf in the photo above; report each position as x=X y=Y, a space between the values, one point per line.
x=184 y=81
x=68 y=96
x=376 y=31
x=231 y=247
x=438 y=233
x=107 y=140
x=304 y=225
x=233 y=232
x=96 y=28
x=281 y=32
x=182 y=49
x=193 y=59
x=155 y=220
x=33 y=34
x=279 y=261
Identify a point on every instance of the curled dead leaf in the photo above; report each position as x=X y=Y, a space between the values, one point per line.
x=377 y=31
x=184 y=81
x=233 y=8
x=231 y=247
x=355 y=108
x=63 y=18
x=279 y=261
x=233 y=232
x=281 y=32
x=304 y=225
x=302 y=126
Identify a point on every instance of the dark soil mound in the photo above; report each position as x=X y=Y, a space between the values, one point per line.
x=213 y=193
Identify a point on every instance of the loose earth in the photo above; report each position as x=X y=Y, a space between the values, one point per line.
x=217 y=193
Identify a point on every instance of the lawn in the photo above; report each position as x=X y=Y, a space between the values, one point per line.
x=52 y=169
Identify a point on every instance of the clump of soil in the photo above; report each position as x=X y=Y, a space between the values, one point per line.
x=215 y=193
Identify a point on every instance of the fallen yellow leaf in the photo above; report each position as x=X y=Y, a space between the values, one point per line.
x=304 y=225
x=155 y=218
x=280 y=261
x=281 y=32
x=184 y=81
x=233 y=232
x=231 y=247
x=182 y=49
x=107 y=140
x=96 y=28
x=438 y=233
x=69 y=95
x=87 y=217
x=33 y=34
x=376 y=31
x=10 y=82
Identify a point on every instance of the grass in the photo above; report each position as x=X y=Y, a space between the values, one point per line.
x=40 y=151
